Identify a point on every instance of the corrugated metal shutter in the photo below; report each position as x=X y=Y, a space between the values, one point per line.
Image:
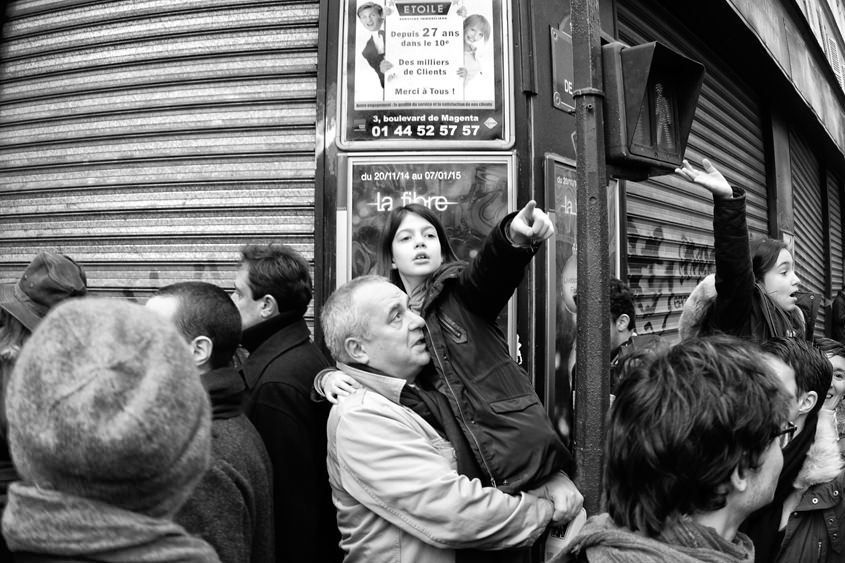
x=837 y=255
x=151 y=139
x=670 y=222
x=810 y=260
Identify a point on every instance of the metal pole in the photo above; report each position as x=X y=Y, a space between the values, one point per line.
x=593 y=345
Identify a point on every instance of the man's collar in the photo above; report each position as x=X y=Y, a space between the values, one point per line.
x=388 y=386
x=255 y=335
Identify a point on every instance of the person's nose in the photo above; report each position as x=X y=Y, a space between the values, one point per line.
x=419 y=242
x=796 y=281
x=415 y=322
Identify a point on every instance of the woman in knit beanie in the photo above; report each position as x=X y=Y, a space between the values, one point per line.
x=109 y=427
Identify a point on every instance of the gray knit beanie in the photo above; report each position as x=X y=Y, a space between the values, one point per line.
x=105 y=403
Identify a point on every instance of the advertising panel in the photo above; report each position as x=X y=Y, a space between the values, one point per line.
x=469 y=192
x=425 y=73
x=562 y=260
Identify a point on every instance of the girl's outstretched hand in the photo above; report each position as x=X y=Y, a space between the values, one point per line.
x=531 y=226
x=710 y=178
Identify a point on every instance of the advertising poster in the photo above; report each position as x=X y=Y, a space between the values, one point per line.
x=425 y=72
x=561 y=187
x=470 y=193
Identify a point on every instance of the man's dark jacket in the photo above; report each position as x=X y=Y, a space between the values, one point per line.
x=280 y=373
x=231 y=508
x=374 y=58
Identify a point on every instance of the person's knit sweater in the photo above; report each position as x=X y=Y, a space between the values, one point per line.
x=685 y=541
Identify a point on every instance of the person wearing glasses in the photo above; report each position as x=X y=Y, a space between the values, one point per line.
x=692 y=449
x=806 y=520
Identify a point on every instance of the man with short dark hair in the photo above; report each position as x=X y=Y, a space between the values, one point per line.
x=692 y=449
x=272 y=292
x=790 y=528
x=232 y=507
x=624 y=339
x=394 y=477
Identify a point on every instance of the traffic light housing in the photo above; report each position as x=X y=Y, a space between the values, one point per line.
x=651 y=93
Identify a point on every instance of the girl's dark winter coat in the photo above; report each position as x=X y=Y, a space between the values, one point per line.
x=739 y=306
x=490 y=395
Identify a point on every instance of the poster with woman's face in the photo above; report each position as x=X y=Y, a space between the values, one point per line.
x=468 y=192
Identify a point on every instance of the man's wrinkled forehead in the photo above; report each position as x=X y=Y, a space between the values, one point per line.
x=377 y=295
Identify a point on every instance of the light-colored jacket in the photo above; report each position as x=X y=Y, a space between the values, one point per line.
x=398 y=495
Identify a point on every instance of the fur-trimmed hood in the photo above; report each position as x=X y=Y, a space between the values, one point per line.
x=824 y=461
x=697 y=306
x=766 y=318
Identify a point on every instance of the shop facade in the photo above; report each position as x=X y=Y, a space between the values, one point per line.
x=151 y=139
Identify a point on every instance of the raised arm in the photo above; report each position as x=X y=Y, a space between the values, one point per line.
x=734 y=276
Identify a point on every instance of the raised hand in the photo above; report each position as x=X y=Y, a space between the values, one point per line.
x=710 y=178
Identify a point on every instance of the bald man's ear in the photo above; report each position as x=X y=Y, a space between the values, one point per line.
x=201 y=350
x=356 y=350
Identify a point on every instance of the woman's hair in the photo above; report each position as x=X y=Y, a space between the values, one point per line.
x=681 y=423
x=764 y=255
x=13 y=335
x=388 y=232
x=829 y=346
x=480 y=22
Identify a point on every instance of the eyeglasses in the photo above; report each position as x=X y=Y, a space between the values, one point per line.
x=785 y=435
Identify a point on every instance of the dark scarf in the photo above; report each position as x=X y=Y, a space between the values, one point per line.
x=762 y=526
x=227 y=391
x=254 y=336
x=47 y=522
x=685 y=541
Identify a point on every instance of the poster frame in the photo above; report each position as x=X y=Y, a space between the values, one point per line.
x=614 y=194
x=344 y=222
x=345 y=102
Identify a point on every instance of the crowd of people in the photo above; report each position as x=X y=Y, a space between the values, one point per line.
x=204 y=426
